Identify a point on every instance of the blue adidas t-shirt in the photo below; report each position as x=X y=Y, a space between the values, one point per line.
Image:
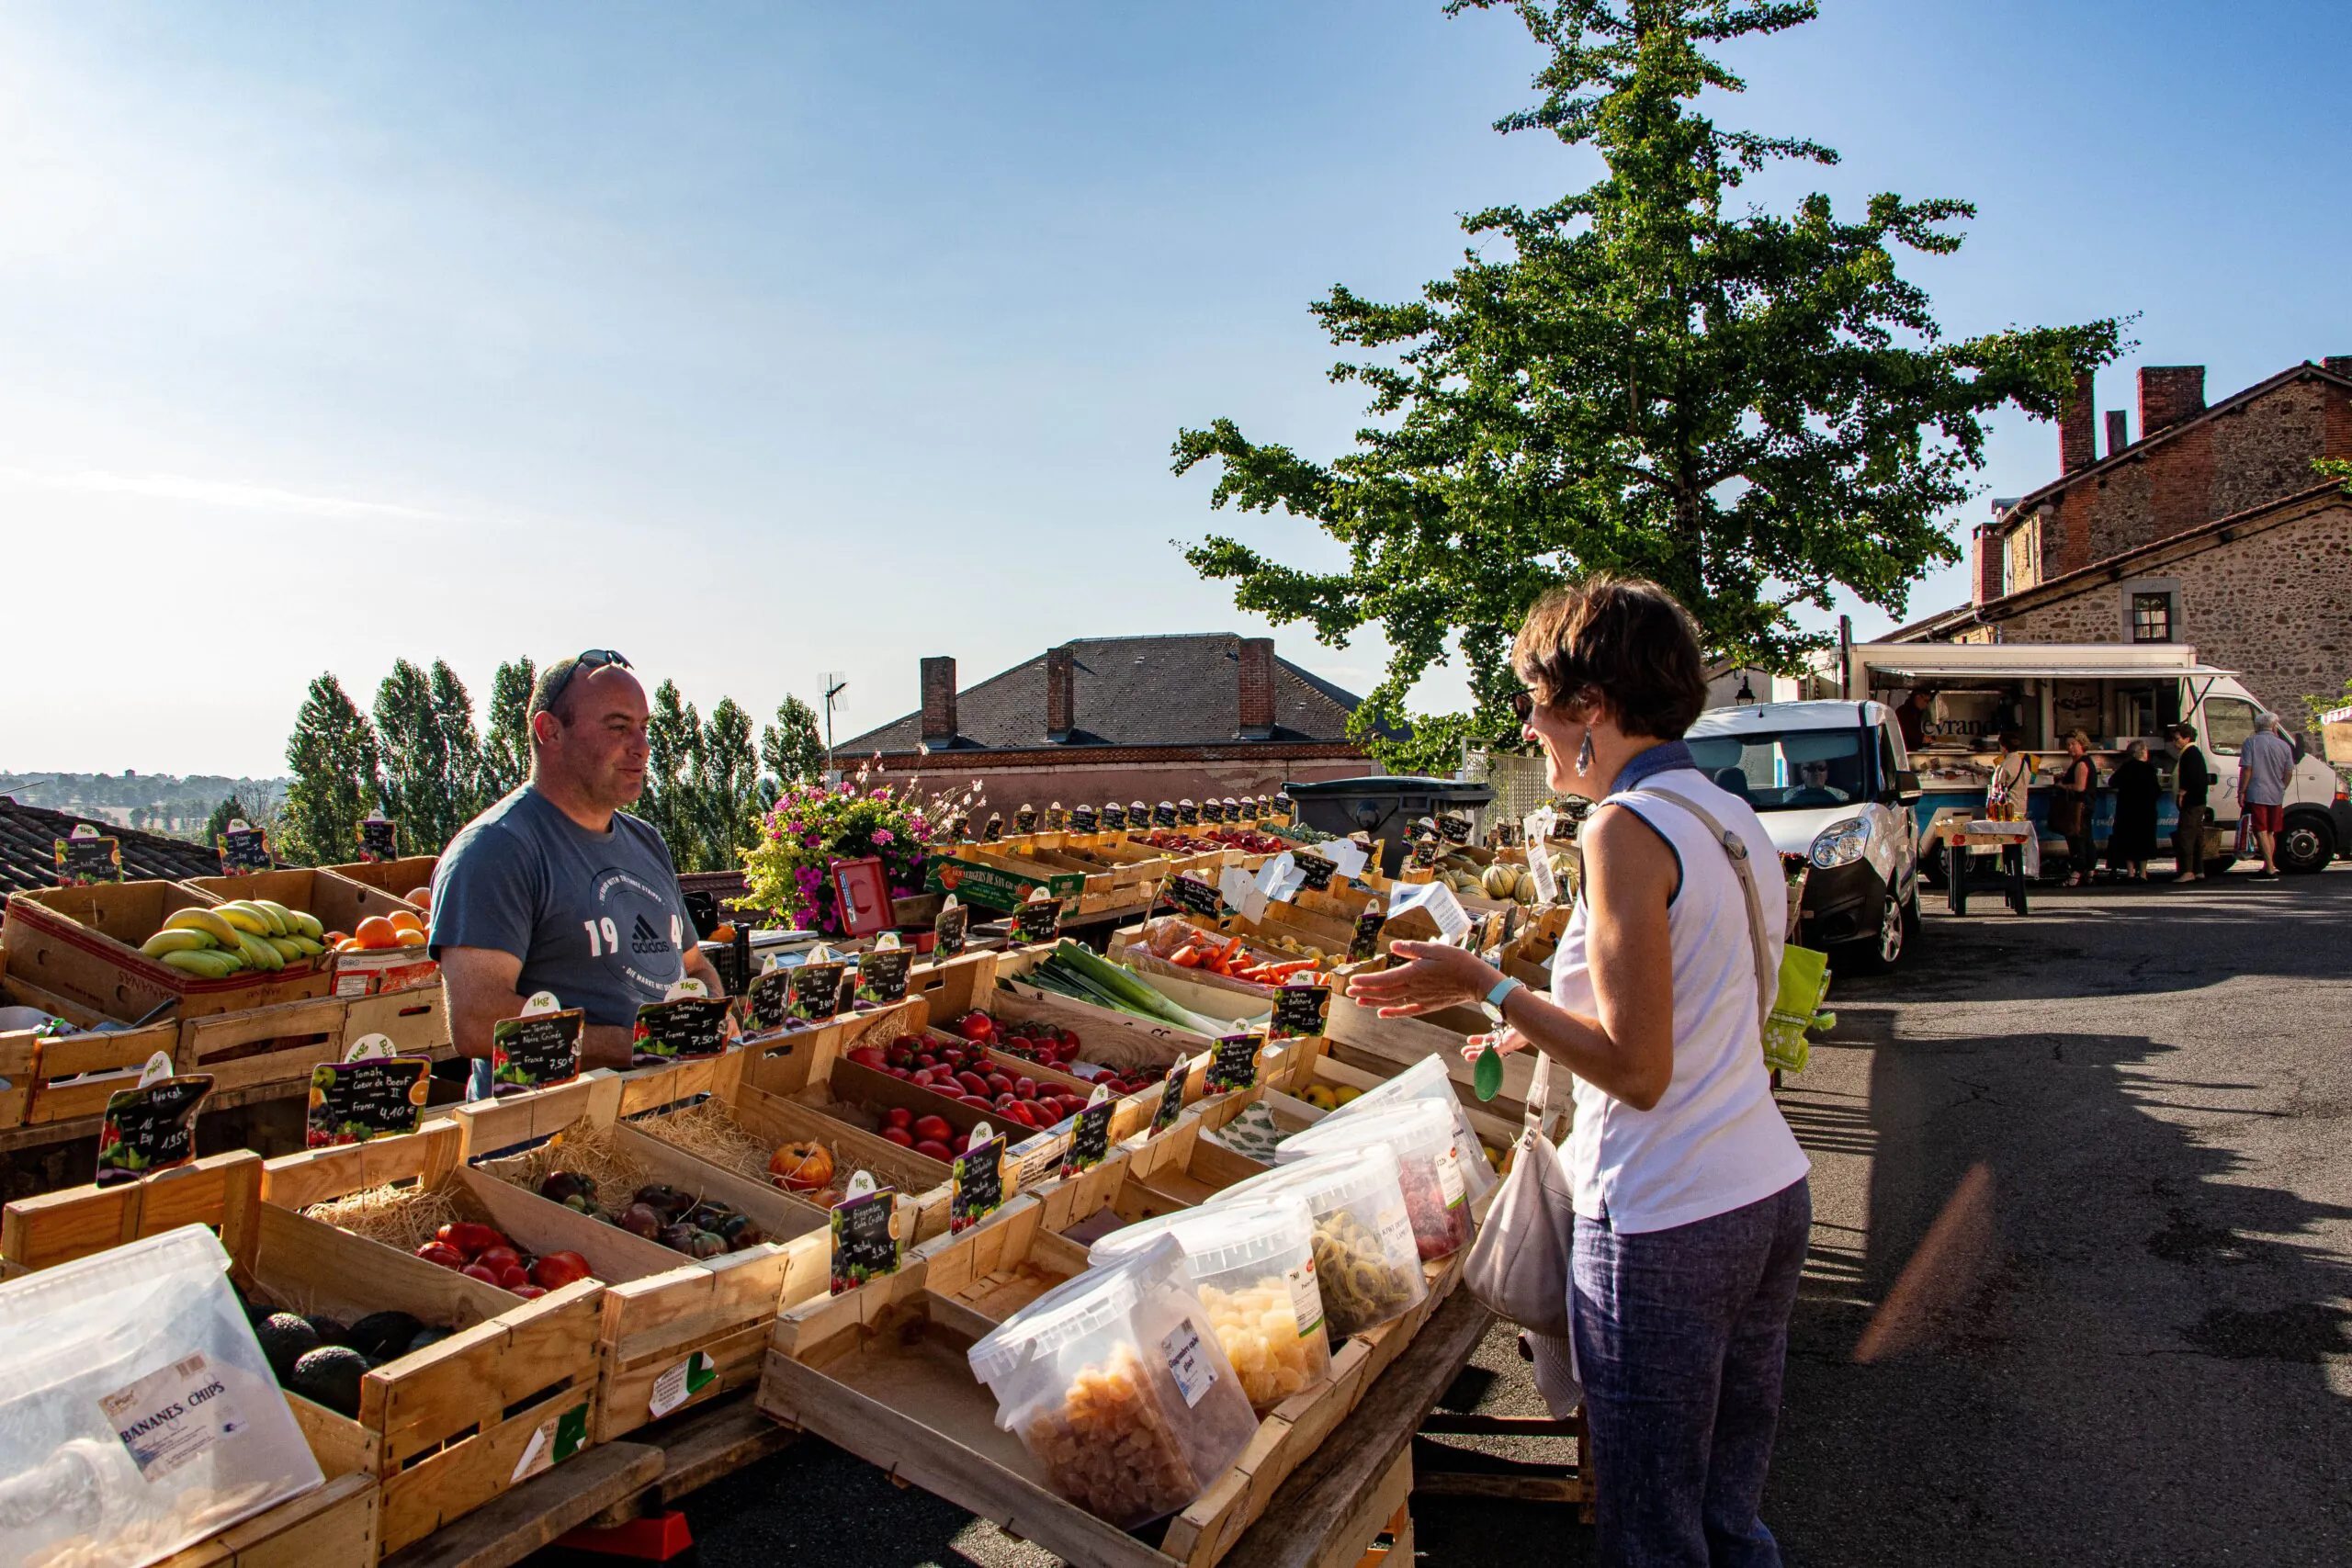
x=595 y=918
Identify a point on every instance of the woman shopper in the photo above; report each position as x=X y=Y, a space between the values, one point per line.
x=2192 y=778
x=2070 y=810
x=2132 y=840
x=2012 y=777
x=1691 y=1203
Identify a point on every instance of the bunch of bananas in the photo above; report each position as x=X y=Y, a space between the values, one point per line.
x=229 y=939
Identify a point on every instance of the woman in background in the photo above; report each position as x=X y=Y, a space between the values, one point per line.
x=2132 y=840
x=2070 y=813
x=2004 y=791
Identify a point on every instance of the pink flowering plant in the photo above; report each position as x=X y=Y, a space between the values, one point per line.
x=813 y=825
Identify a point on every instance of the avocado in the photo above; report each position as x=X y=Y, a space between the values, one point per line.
x=329 y=1330
x=425 y=1337
x=383 y=1335
x=286 y=1339
x=330 y=1376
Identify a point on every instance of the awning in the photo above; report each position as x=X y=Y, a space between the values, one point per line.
x=1913 y=670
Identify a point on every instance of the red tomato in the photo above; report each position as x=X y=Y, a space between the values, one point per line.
x=899 y=1136
x=935 y=1128
x=498 y=1259
x=898 y=1116
x=934 y=1149
x=469 y=1239
x=530 y=1292
x=512 y=1276
x=558 y=1269
x=475 y=1272
x=441 y=1252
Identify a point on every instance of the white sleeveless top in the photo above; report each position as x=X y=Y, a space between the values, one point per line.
x=1715 y=1141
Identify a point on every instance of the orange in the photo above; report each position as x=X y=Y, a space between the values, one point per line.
x=377 y=932
x=411 y=937
x=405 y=920
x=336 y=938
x=420 y=896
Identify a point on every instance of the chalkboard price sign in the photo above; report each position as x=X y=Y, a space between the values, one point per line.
x=1172 y=1097
x=995 y=828
x=1025 y=819
x=1114 y=815
x=1298 y=1011
x=770 y=999
x=683 y=1027
x=149 y=1128
x=1187 y=814
x=882 y=974
x=1315 y=868
x=1424 y=852
x=817 y=989
x=84 y=861
x=1454 y=827
x=354 y=1103
x=1082 y=818
x=1089 y=1138
x=1235 y=1064
x=979 y=1190
x=537 y=1049
x=1212 y=811
x=1367 y=937
x=865 y=1245
x=1190 y=893
x=379 y=840
x=1038 y=921
x=1164 y=815
x=947 y=932
x=244 y=850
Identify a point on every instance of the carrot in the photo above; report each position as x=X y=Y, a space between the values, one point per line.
x=1187 y=957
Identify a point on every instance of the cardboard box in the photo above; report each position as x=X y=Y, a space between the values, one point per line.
x=82 y=943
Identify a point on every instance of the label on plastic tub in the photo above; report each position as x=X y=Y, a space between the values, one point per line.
x=1188 y=1363
x=1396 y=1229
x=1449 y=1177
x=1305 y=1298
x=170 y=1418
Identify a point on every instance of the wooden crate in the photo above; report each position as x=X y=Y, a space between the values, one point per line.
x=1359 y=1037
x=82 y=943
x=661 y=1309
x=882 y=1372
x=60 y=1079
x=444 y=1429
x=337 y=1525
x=1117 y=1040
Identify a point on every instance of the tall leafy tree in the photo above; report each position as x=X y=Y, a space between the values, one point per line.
x=1646 y=377
x=453 y=716
x=424 y=724
x=506 y=740
x=792 y=749
x=333 y=759
x=674 y=736
x=725 y=787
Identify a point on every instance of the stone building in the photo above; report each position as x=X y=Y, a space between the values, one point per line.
x=1129 y=718
x=2211 y=529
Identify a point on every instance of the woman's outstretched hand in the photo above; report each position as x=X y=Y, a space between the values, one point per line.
x=1434 y=975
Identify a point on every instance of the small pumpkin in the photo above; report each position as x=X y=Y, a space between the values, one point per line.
x=802 y=1168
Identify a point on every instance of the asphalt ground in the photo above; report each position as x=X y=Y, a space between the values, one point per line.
x=2080 y=1288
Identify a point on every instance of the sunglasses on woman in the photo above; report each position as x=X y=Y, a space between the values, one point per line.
x=1522 y=705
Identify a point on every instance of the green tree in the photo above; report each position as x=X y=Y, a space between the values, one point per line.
x=725 y=787
x=334 y=757
x=1753 y=409
x=673 y=737
x=431 y=754
x=506 y=745
x=791 y=749
x=256 y=811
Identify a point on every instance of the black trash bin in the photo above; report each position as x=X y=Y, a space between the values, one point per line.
x=1384 y=806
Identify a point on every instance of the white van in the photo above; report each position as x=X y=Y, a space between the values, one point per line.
x=1831 y=782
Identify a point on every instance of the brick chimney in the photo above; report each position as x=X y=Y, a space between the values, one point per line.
x=938 y=700
x=1061 y=691
x=2078 y=428
x=2119 y=431
x=1990 y=572
x=2168 y=394
x=2337 y=365
x=1257 y=688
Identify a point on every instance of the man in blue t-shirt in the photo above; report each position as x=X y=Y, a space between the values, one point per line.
x=556 y=888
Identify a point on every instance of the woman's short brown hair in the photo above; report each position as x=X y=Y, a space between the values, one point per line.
x=1630 y=643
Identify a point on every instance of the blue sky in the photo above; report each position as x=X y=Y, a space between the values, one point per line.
x=759 y=341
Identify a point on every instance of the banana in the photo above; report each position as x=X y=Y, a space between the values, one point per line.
x=206 y=964
x=259 y=953
x=209 y=921
x=309 y=947
x=287 y=948
x=245 y=917
x=281 y=917
x=173 y=941
x=308 y=924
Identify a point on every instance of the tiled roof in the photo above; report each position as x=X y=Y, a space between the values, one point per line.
x=28 y=836
x=1131 y=691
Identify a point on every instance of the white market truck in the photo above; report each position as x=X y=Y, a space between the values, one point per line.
x=1969 y=694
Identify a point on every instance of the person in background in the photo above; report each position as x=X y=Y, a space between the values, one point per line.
x=556 y=888
x=2132 y=839
x=1693 y=1207
x=2265 y=767
x=2012 y=777
x=2070 y=813
x=1911 y=718
x=2192 y=777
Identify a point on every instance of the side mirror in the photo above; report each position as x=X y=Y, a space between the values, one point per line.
x=1906 y=785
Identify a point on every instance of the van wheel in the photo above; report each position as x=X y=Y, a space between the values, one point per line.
x=1879 y=953
x=2307 y=843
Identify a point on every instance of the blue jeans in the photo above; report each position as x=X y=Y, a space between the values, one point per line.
x=1681 y=1337
x=480 y=1085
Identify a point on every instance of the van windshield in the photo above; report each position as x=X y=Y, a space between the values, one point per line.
x=1795 y=770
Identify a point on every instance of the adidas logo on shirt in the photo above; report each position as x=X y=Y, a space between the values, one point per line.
x=645 y=939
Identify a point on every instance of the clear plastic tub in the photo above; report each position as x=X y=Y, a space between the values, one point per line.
x=1427 y=1079
x=1253 y=1267
x=138 y=1416
x=1365 y=1263
x=1116 y=1385
x=1421 y=1135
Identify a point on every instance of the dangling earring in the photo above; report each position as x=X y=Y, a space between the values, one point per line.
x=1584 y=754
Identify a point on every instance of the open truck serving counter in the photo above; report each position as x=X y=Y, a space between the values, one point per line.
x=1956 y=701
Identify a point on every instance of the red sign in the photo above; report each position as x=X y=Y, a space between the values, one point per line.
x=862 y=894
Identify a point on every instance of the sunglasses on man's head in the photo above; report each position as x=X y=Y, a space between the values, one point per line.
x=593 y=659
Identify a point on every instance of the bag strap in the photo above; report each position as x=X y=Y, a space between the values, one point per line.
x=1539 y=1096
x=1768 y=981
